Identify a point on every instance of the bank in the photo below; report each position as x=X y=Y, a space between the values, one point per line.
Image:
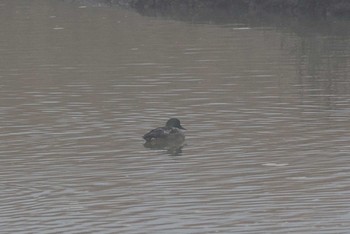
x=320 y=8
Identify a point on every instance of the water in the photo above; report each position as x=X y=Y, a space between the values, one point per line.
x=266 y=108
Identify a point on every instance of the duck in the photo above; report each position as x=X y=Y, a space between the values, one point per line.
x=169 y=133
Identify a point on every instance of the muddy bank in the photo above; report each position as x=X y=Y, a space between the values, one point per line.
x=304 y=17
x=321 y=8
x=303 y=8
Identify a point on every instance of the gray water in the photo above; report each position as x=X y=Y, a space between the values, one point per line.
x=266 y=107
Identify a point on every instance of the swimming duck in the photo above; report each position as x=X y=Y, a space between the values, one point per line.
x=171 y=132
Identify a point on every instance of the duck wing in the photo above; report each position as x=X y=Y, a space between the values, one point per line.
x=156 y=133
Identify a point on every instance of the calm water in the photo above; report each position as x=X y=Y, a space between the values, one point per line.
x=266 y=107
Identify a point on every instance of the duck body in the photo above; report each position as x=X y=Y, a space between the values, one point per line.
x=171 y=132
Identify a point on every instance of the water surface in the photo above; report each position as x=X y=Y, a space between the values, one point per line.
x=266 y=108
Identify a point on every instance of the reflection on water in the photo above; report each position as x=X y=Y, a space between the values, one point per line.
x=172 y=148
x=266 y=111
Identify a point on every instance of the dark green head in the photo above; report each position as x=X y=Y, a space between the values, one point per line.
x=174 y=123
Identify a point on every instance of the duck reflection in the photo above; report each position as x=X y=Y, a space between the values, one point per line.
x=172 y=147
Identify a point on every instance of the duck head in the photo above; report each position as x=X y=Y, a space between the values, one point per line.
x=174 y=123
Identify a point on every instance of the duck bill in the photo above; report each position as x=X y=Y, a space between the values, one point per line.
x=182 y=128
